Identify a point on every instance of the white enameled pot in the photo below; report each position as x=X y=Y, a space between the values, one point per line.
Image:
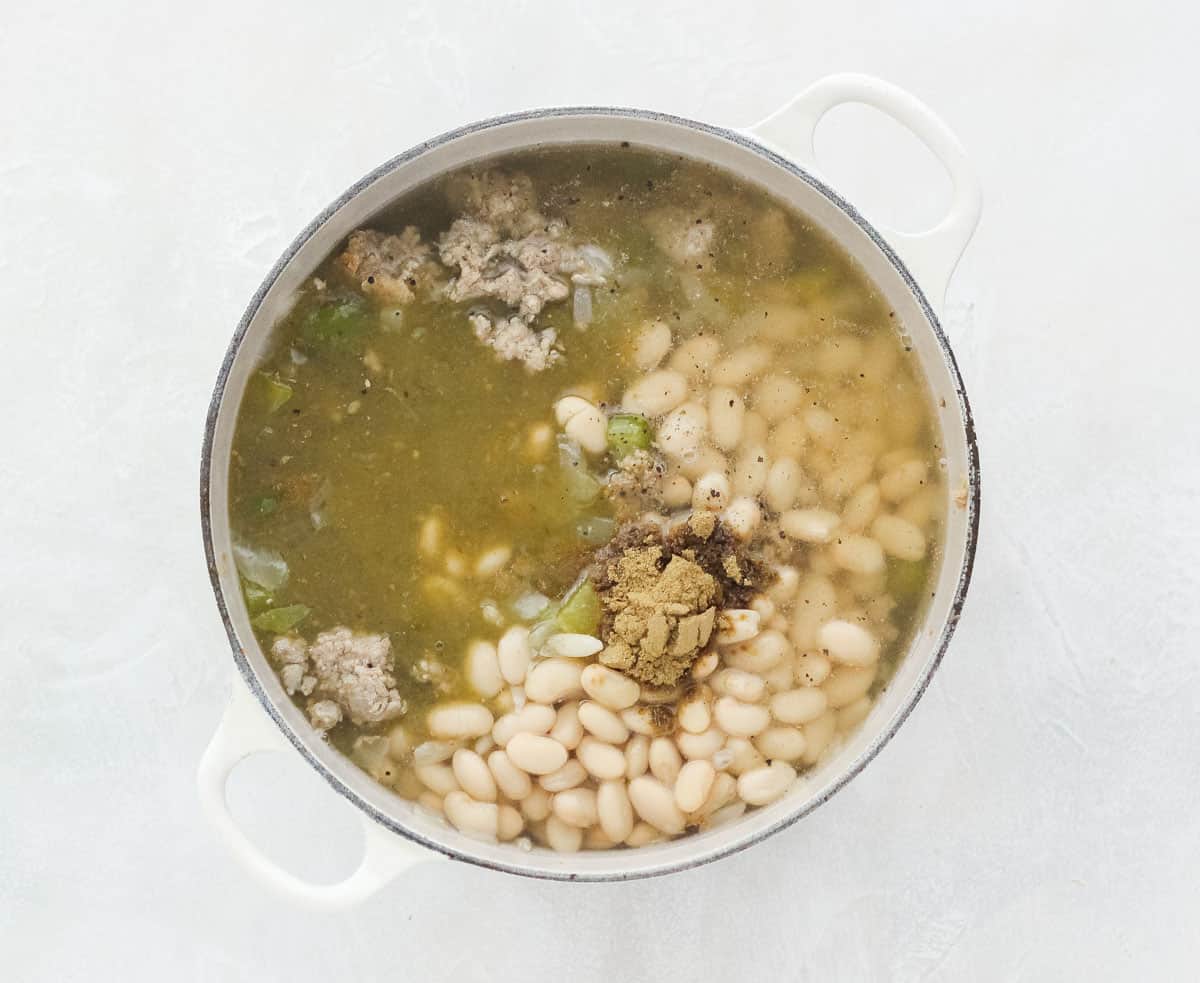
x=912 y=272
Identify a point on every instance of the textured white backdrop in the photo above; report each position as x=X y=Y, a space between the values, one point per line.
x=1036 y=817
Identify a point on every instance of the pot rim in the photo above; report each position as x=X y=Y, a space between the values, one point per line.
x=877 y=743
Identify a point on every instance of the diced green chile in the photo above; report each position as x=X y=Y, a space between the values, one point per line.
x=257 y=599
x=336 y=324
x=628 y=432
x=580 y=611
x=267 y=505
x=281 y=619
x=274 y=392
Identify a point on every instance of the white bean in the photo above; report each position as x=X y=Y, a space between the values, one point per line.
x=459 y=720
x=568 y=776
x=574 y=646
x=652 y=345
x=750 y=471
x=899 y=537
x=676 y=491
x=798 y=706
x=811 y=668
x=483 y=669
x=491 y=562
x=650 y=721
x=602 y=722
x=703 y=745
x=553 y=680
x=776 y=396
x=694 y=712
x=711 y=492
x=682 y=432
x=783 y=484
x=513 y=654
x=764 y=785
x=513 y=782
x=740 y=719
x=643 y=834
x=705 y=666
x=469 y=816
x=439 y=779
x=903 y=480
x=736 y=625
x=567 y=729
x=473 y=775
x=695 y=357
x=787 y=582
x=533 y=718
x=429 y=539
x=569 y=407
x=763 y=652
x=693 y=784
x=743 y=517
x=535 y=754
x=847 y=476
x=779 y=677
x=614 y=810
x=809 y=525
x=743 y=756
x=609 y=687
x=741 y=366
x=535 y=805
x=601 y=760
x=656 y=393
x=655 y=804
x=432 y=752
x=726 y=417
x=705 y=460
x=562 y=837
x=576 y=807
x=853 y=714
x=822 y=426
x=509 y=824
x=722 y=792
x=788 y=438
x=745 y=686
x=920 y=508
x=858 y=554
x=664 y=760
x=860 y=508
x=781 y=743
x=848 y=643
x=589 y=430
x=817 y=734
x=847 y=683
x=637 y=756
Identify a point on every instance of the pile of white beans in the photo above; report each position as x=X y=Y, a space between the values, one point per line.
x=562 y=751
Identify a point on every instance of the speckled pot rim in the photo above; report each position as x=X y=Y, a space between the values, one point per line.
x=881 y=739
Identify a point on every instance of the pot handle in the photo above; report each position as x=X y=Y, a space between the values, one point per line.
x=930 y=255
x=245 y=730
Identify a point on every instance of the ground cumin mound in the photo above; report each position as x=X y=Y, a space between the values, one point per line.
x=661 y=595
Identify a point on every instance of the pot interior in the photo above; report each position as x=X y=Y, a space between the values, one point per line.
x=754 y=164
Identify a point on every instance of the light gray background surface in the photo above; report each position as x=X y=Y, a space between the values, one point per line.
x=1036 y=817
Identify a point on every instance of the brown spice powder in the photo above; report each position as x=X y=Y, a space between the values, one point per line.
x=661 y=597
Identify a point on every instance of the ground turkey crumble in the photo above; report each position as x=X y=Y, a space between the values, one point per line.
x=349 y=673
x=390 y=268
x=500 y=249
x=513 y=340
